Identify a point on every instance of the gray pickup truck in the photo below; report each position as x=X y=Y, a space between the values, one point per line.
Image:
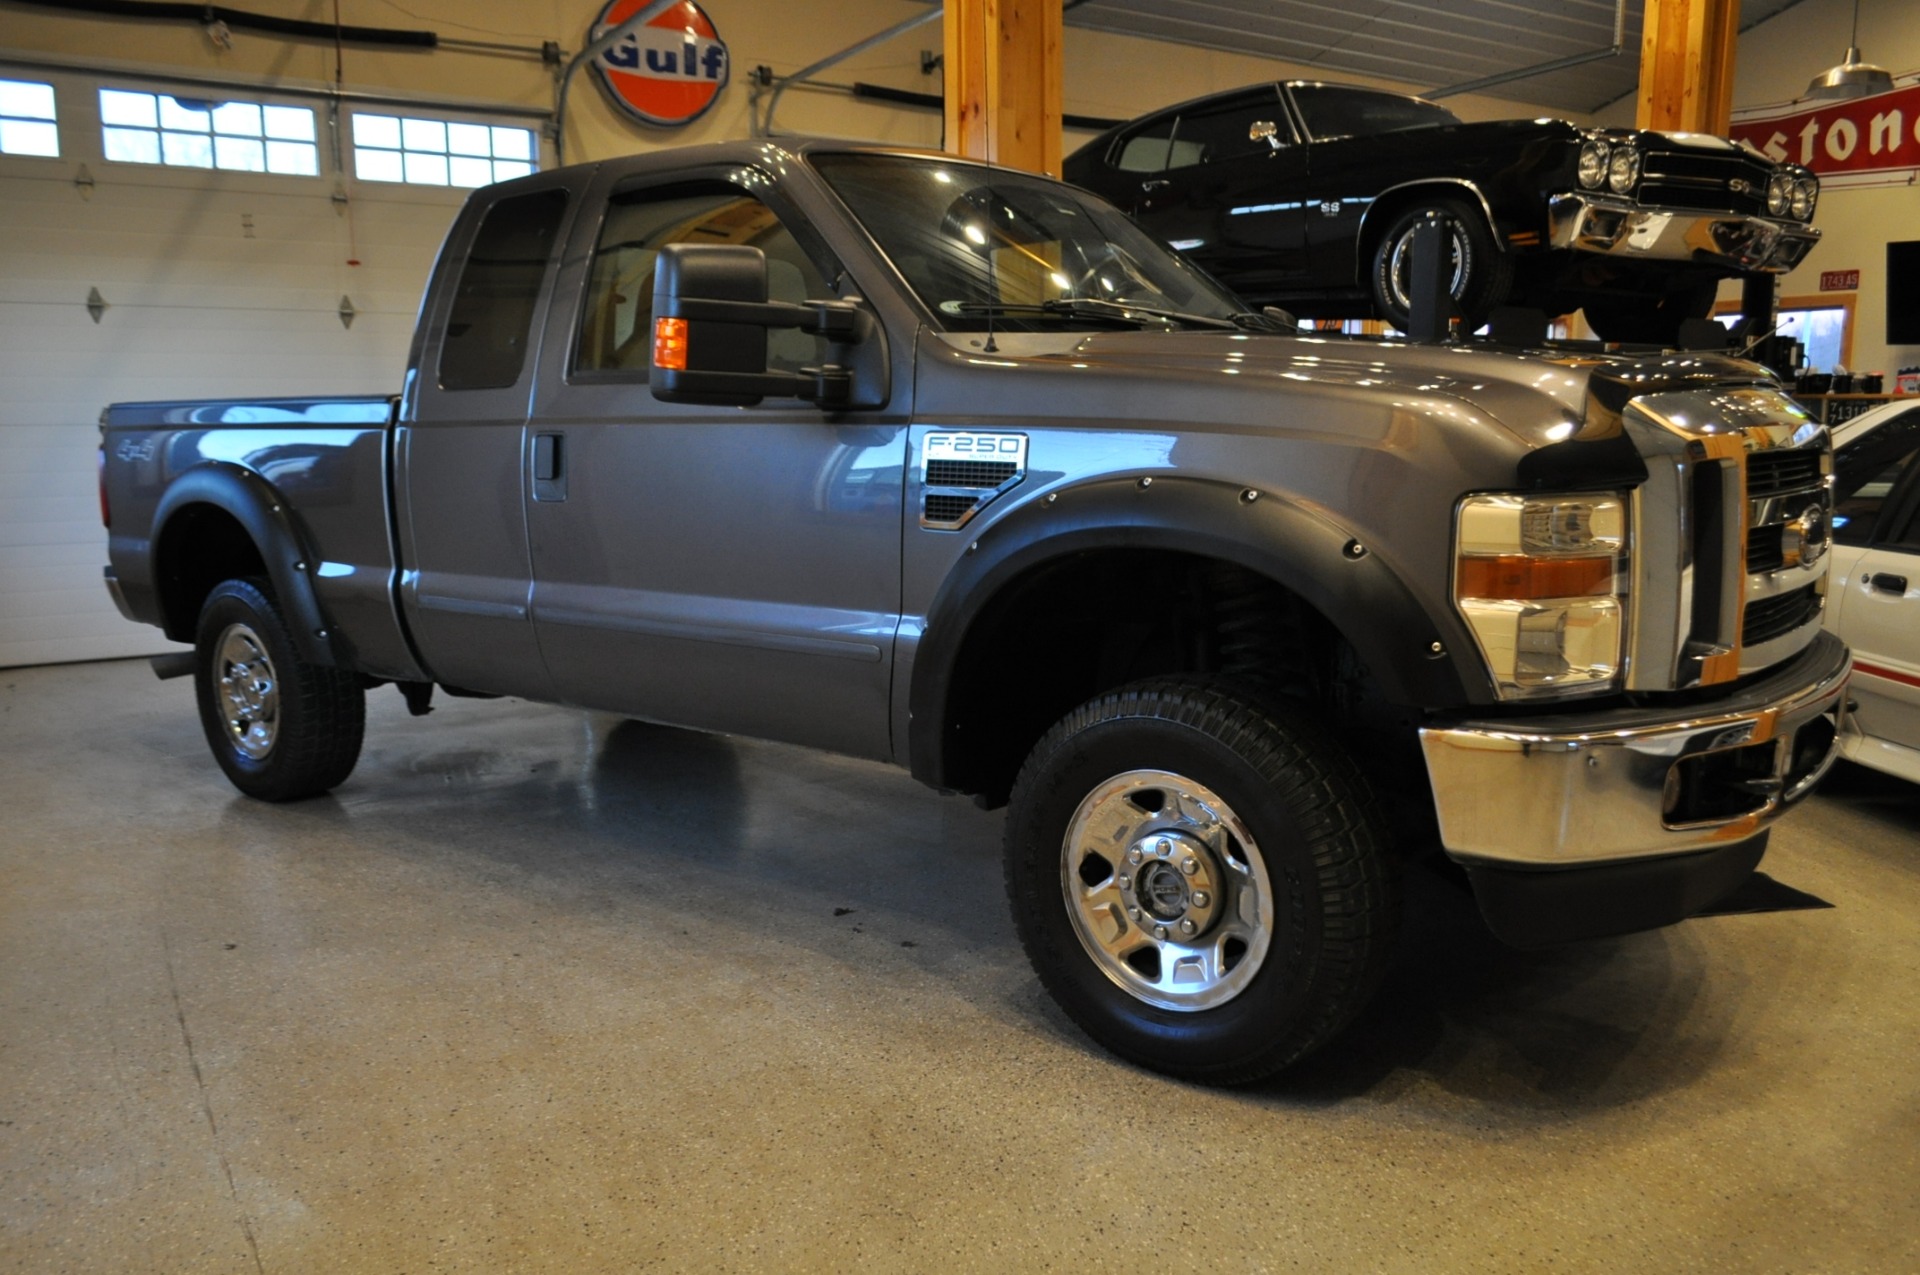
x=951 y=466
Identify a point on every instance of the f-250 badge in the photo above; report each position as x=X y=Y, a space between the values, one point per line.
x=961 y=471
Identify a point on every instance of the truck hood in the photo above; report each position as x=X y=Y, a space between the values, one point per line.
x=1490 y=418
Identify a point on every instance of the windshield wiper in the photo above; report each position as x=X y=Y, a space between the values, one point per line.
x=1091 y=308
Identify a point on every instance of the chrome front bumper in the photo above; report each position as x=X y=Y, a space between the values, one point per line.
x=1574 y=790
x=1622 y=228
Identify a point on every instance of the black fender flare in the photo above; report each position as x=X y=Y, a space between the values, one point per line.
x=1278 y=538
x=266 y=517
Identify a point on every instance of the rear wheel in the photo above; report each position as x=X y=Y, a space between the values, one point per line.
x=280 y=728
x=1197 y=880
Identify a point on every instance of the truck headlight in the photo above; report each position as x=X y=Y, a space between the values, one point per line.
x=1541 y=581
x=1593 y=163
x=1623 y=169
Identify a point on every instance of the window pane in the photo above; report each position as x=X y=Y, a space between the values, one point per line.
x=241 y=153
x=239 y=119
x=485 y=342
x=26 y=100
x=290 y=123
x=300 y=159
x=469 y=139
x=377 y=130
x=377 y=166
x=512 y=143
x=134 y=109
x=424 y=135
x=464 y=171
x=186 y=150
x=507 y=169
x=426 y=170
x=131 y=145
x=190 y=117
x=29 y=137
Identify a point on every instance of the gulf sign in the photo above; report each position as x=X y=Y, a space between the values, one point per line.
x=667 y=72
x=1867 y=141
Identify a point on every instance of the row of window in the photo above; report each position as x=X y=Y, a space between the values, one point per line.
x=257 y=137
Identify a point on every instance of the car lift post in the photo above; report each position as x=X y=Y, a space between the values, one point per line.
x=1430 y=301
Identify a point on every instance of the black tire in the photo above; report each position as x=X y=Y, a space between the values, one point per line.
x=1260 y=786
x=1653 y=318
x=1482 y=275
x=280 y=727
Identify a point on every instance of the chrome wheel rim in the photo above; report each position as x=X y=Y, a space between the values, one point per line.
x=248 y=690
x=1400 y=266
x=1167 y=890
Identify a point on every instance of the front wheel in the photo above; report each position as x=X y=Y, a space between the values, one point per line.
x=280 y=728
x=1197 y=880
x=1476 y=273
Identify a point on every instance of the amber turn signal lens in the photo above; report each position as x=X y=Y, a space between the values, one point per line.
x=1524 y=578
x=670 y=344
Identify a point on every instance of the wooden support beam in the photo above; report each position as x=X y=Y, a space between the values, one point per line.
x=1003 y=72
x=1686 y=65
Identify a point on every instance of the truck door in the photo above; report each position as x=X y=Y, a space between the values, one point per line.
x=731 y=569
x=458 y=484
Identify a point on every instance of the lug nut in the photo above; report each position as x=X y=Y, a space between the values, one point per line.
x=1186 y=927
x=1163 y=848
x=1133 y=855
x=1201 y=899
x=1134 y=913
x=1126 y=883
x=1190 y=865
x=1159 y=931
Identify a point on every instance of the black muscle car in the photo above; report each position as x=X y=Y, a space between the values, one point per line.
x=1306 y=195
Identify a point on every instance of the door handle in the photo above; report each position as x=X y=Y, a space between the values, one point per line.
x=1155 y=184
x=549 y=467
x=1887 y=583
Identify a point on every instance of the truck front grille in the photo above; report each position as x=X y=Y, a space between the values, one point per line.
x=1770 y=618
x=1774 y=473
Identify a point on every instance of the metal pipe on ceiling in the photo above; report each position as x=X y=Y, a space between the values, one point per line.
x=593 y=50
x=1544 y=68
x=763 y=126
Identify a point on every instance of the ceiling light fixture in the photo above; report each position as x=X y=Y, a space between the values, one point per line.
x=1852 y=78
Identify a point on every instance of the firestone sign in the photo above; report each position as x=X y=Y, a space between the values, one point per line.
x=1868 y=141
x=666 y=73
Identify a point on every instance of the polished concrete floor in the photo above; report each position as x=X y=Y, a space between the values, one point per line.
x=540 y=990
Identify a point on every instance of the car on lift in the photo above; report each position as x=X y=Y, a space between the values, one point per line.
x=1306 y=195
x=1874 y=595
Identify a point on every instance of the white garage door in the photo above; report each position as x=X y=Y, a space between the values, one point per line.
x=210 y=280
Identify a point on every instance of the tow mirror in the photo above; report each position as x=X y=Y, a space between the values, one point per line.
x=710 y=321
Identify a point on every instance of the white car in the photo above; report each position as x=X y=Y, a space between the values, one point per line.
x=1873 y=599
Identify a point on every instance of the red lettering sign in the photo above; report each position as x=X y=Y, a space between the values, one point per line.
x=1839 y=281
x=1867 y=141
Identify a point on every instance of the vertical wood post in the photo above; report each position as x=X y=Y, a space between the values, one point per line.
x=1686 y=65
x=1002 y=62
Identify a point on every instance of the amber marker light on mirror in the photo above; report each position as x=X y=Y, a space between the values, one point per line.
x=670 y=344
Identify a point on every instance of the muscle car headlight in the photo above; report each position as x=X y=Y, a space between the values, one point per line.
x=1806 y=193
x=1541 y=581
x=1623 y=169
x=1780 y=193
x=1593 y=163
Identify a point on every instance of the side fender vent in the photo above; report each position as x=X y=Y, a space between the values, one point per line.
x=961 y=472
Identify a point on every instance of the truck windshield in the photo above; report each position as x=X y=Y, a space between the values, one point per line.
x=985 y=245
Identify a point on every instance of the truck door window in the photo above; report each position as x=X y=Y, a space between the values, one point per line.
x=616 y=330
x=485 y=344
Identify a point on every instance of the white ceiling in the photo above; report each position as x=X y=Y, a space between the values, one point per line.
x=1428 y=44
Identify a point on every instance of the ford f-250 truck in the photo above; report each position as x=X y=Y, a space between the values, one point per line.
x=922 y=460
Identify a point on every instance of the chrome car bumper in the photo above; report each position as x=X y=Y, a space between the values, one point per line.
x=1622 y=228
x=1576 y=790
